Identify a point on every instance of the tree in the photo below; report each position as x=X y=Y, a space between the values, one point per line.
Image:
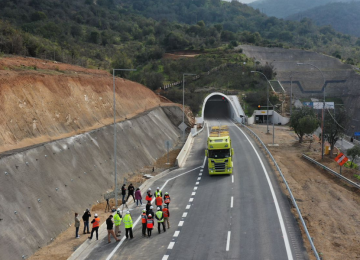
x=334 y=127
x=304 y=121
x=353 y=152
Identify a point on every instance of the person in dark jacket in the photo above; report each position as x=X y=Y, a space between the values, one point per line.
x=131 y=190
x=110 y=228
x=138 y=197
x=123 y=193
x=148 y=205
x=85 y=218
x=151 y=212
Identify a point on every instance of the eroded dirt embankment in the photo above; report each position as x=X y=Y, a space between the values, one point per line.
x=42 y=101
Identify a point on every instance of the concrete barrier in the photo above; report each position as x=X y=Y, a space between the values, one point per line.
x=182 y=156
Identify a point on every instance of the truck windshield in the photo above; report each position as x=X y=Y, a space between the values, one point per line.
x=222 y=153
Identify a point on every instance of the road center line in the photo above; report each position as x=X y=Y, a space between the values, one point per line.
x=165 y=257
x=188 y=206
x=277 y=207
x=232 y=178
x=181 y=223
x=176 y=234
x=228 y=241
x=184 y=215
x=193 y=193
x=138 y=219
x=232 y=202
x=171 y=245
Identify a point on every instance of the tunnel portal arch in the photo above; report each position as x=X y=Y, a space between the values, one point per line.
x=234 y=112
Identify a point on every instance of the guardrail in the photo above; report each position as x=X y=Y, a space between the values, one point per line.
x=290 y=193
x=332 y=171
x=181 y=158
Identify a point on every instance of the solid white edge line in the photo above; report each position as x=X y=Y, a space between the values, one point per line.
x=232 y=202
x=138 y=219
x=171 y=245
x=232 y=178
x=165 y=257
x=228 y=241
x=278 y=211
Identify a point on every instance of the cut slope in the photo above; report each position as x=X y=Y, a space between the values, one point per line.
x=56 y=100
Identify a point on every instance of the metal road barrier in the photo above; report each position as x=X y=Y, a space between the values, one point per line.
x=332 y=171
x=290 y=193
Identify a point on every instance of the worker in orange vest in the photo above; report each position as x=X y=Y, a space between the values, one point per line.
x=167 y=199
x=149 y=224
x=144 y=222
x=95 y=226
x=159 y=201
x=148 y=195
x=166 y=214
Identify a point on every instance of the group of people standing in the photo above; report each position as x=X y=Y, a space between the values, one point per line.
x=131 y=190
x=162 y=215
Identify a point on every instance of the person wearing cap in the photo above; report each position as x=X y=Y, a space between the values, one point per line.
x=117 y=222
x=123 y=193
x=148 y=195
x=147 y=207
x=149 y=224
x=85 y=218
x=110 y=228
x=144 y=222
x=159 y=201
x=167 y=199
x=95 y=227
x=158 y=192
x=128 y=225
x=160 y=218
x=166 y=214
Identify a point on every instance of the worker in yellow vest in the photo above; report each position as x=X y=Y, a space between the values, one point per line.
x=160 y=218
x=117 y=222
x=128 y=225
x=158 y=192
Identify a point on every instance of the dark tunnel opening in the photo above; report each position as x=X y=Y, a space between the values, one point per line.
x=217 y=107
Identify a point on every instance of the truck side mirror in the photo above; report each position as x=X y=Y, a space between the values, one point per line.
x=206 y=153
x=232 y=151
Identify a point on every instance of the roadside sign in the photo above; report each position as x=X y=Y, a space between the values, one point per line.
x=357 y=134
x=182 y=126
x=341 y=159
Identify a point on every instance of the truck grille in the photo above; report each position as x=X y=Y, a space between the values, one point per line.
x=219 y=167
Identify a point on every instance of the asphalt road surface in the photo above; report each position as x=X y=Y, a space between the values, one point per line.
x=240 y=216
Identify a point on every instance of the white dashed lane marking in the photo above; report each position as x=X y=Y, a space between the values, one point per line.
x=188 y=206
x=165 y=257
x=191 y=199
x=181 y=223
x=184 y=215
x=197 y=183
x=232 y=202
x=171 y=245
x=228 y=241
x=193 y=193
x=176 y=234
x=232 y=178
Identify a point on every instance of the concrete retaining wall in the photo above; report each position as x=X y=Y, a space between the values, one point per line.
x=69 y=175
x=182 y=156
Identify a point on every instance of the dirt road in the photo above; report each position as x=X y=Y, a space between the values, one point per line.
x=330 y=207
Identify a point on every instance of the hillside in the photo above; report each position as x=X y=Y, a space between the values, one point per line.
x=42 y=101
x=135 y=33
x=284 y=8
x=343 y=17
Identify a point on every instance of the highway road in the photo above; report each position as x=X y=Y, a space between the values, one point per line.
x=239 y=216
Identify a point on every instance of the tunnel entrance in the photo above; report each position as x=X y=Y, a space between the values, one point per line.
x=217 y=107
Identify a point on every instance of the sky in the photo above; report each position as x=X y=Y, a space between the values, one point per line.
x=243 y=1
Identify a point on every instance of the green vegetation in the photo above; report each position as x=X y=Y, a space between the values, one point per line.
x=357 y=176
x=304 y=121
x=334 y=126
x=352 y=153
x=343 y=17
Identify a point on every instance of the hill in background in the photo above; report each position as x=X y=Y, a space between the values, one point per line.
x=285 y=8
x=343 y=17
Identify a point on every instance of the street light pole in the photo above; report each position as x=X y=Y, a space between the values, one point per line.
x=115 y=169
x=290 y=94
x=323 y=110
x=267 y=101
x=185 y=74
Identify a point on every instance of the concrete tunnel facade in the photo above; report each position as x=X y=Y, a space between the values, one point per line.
x=232 y=112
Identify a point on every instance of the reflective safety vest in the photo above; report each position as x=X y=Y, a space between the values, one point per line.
x=128 y=221
x=150 y=223
x=158 y=193
x=167 y=199
x=96 y=222
x=166 y=212
x=143 y=218
x=159 y=201
x=117 y=219
x=148 y=198
x=159 y=215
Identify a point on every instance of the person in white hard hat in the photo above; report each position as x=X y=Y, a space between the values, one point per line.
x=158 y=192
x=149 y=225
x=95 y=227
x=117 y=222
x=160 y=219
x=128 y=225
x=148 y=195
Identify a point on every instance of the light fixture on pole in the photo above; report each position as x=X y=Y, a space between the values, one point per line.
x=323 y=110
x=115 y=189
x=183 y=121
x=267 y=100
